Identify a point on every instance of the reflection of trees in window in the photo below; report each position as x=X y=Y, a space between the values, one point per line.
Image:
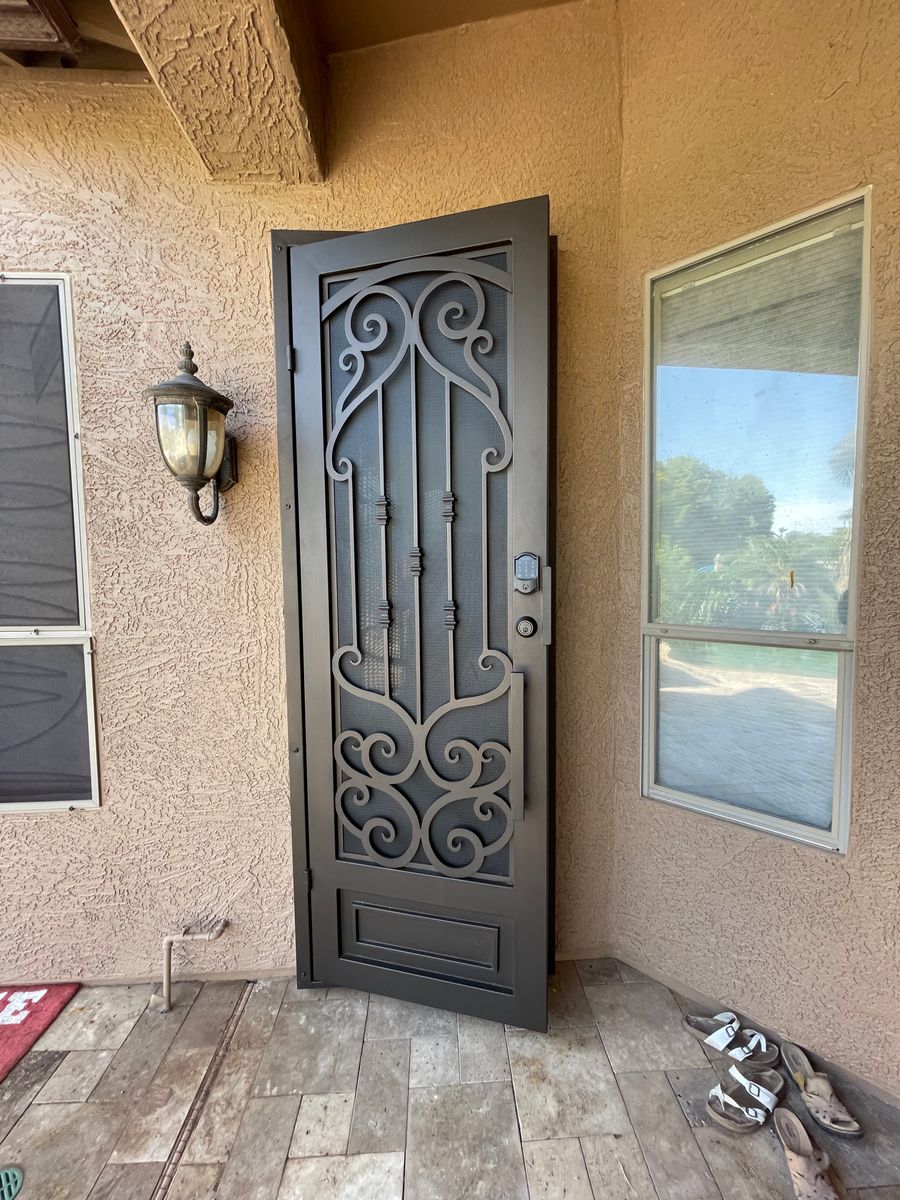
x=719 y=562
x=708 y=512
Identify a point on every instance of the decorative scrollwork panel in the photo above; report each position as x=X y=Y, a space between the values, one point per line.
x=418 y=453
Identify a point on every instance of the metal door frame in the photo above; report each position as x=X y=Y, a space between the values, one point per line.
x=282 y=241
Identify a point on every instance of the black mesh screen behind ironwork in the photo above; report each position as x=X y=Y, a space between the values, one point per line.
x=419 y=575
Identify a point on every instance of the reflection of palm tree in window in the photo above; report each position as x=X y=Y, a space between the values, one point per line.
x=719 y=562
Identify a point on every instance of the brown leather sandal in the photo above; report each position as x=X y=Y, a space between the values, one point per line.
x=818 y=1095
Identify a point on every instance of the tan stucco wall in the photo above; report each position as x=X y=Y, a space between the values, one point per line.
x=188 y=620
x=736 y=116
x=725 y=122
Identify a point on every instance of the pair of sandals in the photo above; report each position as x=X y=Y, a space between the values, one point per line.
x=744 y=1101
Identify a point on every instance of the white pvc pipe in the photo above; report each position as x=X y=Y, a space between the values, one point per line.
x=186 y=935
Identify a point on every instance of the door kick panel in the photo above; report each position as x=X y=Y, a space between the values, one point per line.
x=434 y=942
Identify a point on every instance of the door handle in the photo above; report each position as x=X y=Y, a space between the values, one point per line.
x=517 y=745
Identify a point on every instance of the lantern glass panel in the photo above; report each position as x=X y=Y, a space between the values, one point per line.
x=179 y=437
x=215 y=442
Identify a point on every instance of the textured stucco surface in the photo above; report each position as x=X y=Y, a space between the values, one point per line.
x=736 y=116
x=243 y=80
x=188 y=620
x=728 y=117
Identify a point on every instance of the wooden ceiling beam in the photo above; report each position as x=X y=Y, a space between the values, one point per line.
x=38 y=25
x=97 y=22
x=244 y=79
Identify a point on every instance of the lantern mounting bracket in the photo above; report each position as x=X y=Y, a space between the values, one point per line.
x=223 y=481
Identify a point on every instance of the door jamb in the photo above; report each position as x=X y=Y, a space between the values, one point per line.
x=282 y=241
x=552 y=372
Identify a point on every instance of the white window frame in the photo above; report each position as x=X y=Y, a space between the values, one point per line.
x=64 y=635
x=834 y=839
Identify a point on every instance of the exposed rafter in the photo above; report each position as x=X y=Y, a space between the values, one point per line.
x=37 y=25
x=97 y=22
x=243 y=79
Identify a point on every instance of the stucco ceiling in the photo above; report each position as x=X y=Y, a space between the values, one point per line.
x=97 y=39
x=246 y=82
x=352 y=24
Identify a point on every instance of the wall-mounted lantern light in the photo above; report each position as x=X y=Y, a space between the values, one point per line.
x=190 y=428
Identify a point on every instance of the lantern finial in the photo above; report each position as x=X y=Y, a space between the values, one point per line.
x=187 y=365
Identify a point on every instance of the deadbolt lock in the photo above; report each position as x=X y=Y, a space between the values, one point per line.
x=526 y=627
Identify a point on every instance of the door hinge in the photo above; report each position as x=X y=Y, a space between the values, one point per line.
x=307 y=879
x=291 y=356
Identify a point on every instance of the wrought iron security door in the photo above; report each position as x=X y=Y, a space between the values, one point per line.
x=414 y=429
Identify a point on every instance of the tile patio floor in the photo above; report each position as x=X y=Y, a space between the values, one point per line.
x=342 y=1096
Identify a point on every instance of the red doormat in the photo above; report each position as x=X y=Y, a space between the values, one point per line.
x=25 y=1012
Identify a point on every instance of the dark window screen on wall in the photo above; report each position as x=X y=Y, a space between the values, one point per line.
x=38 y=575
x=45 y=688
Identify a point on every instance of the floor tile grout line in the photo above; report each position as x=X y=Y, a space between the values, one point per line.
x=586 y=1171
x=512 y=1088
x=198 y=1103
x=287 y=1153
x=362 y=1047
x=634 y=1132
x=250 y=1094
x=693 y=1134
x=36 y=1098
x=459 y=1051
x=512 y=1084
x=406 y=1124
x=141 y=1014
x=408 y=1072
x=27 y=1107
x=637 y=1136
x=709 y=1166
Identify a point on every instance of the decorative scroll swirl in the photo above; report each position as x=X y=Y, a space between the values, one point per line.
x=373 y=764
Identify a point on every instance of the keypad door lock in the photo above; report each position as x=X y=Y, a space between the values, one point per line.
x=527 y=573
x=526 y=627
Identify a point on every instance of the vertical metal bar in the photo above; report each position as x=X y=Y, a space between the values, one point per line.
x=484 y=557
x=384 y=569
x=417 y=612
x=448 y=487
x=517 y=745
x=331 y=495
x=351 y=516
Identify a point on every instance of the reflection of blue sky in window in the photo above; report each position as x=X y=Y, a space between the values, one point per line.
x=779 y=425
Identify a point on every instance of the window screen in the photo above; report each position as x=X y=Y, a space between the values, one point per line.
x=37 y=536
x=751 y=478
x=46 y=710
